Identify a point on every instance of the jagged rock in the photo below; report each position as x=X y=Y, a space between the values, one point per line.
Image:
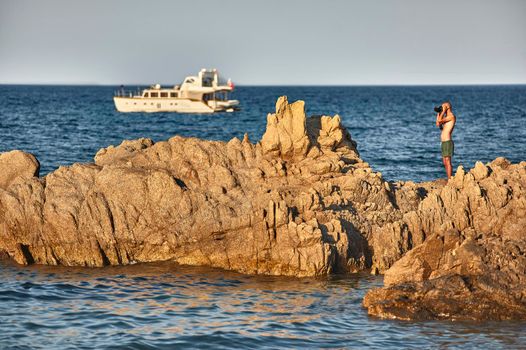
x=286 y=134
x=480 y=171
x=327 y=132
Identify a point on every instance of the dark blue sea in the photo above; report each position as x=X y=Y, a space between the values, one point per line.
x=169 y=306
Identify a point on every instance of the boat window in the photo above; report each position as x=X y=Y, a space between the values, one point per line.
x=146 y=94
x=190 y=80
x=154 y=94
x=207 y=82
x=173 y=94
x=164 y=94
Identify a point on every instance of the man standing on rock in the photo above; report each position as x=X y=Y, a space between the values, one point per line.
x=446 y=121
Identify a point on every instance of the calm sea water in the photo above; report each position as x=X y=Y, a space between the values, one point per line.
x=169 y=306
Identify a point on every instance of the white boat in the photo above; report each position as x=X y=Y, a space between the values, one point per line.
x=204 y=93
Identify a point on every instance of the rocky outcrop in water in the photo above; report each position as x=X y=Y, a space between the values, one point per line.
x=300 y=202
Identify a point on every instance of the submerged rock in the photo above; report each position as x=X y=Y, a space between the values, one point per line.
x=300 y=202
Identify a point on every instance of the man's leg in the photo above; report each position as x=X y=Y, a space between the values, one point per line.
x=448 y=166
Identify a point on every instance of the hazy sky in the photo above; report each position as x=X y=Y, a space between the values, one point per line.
x=264 y=42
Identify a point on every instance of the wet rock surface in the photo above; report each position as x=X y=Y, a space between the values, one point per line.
x=300 y=202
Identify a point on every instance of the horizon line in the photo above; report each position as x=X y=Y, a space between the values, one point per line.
x=274 y=85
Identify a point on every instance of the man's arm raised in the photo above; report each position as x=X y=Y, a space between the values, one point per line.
x=445 y=119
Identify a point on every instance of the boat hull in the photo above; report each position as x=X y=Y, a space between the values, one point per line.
x=178 y=105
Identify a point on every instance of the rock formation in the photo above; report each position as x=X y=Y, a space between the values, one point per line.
x=470 y=258
x=300 y=202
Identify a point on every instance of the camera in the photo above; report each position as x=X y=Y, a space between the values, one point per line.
x=438 y=109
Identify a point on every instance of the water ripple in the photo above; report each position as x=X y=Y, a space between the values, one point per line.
x=164 y=305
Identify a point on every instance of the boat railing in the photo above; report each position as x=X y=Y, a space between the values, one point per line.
x=127 y=93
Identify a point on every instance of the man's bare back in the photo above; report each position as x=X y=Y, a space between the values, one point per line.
x=446 y=119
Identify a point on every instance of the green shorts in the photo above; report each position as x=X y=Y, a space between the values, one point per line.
x=448 y=148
